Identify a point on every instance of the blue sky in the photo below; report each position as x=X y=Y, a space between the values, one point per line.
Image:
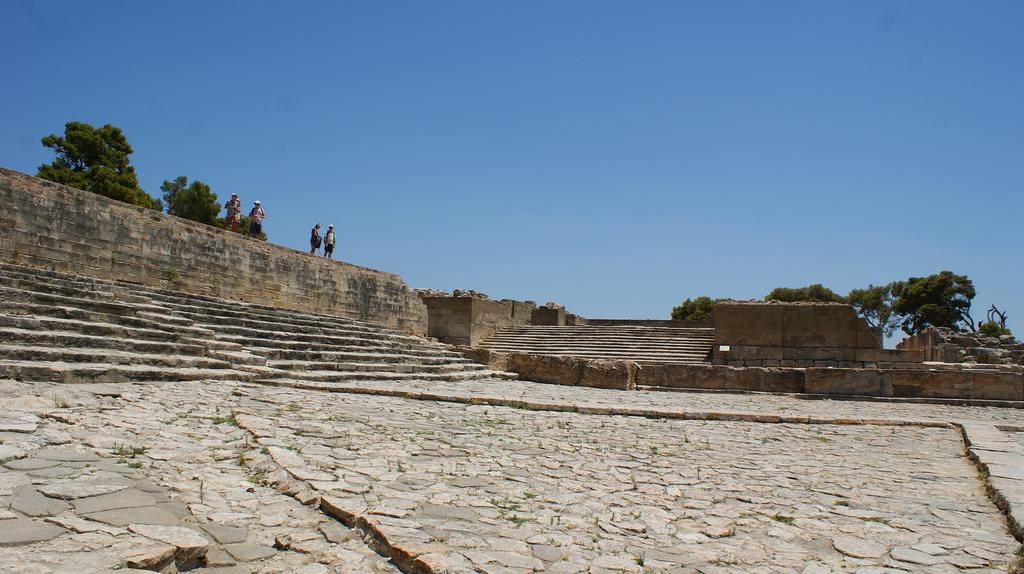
x=615 y=157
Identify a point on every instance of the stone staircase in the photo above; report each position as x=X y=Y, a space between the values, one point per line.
x=66 y=328
x=644 y=345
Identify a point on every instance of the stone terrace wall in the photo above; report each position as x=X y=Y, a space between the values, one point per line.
x=50 y=225
x=774 y=334
x=468 y=320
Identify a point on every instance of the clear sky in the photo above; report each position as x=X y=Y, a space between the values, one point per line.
x=615 y=157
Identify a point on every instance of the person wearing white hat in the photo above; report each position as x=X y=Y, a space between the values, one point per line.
x=329 y=242
x=257 y=216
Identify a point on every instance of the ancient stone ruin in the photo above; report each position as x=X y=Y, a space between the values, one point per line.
x=159 y=414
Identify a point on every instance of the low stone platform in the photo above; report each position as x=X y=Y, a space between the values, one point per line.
x=470 y=476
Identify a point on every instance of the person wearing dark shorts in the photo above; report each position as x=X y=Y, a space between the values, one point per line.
x=329 y=241
x=256 y=216
x=314 y=239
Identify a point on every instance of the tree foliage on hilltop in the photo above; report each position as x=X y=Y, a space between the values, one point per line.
x=96 y=160
x=811 y=293
x=193 y=202
x=875 y=305
x=941 y=300
x=699 y=309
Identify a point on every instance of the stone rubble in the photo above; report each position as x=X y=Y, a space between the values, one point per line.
x=507 y=477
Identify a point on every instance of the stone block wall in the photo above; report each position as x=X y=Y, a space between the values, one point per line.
x=549 y=315
x=717 y=377
x=53 y=226
x=948 y=346
x=800 y=335
x=468 y=320
x=944 y=383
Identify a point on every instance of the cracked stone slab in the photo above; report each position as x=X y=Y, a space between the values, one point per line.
x=66 y=455
x=249 y=552
x=225 y=534
x=141 y=515
x=10 y=453
x=81 y=526
x=150 y=558
x=27 y=464
x=188 y=542
x=11 y=481
x=31 y=502
x=21 y=531
x=74 y=489
x=127 y=498
x=25 y=423
x=904 y=554
x=858 y=547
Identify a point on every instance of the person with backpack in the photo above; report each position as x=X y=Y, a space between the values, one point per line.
x=314 y=239
x=256 y=217
x=329 y=242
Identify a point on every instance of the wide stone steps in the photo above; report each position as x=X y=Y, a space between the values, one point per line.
x=644 y=345
x=110 y=356
x=107 y=373
x=247 y=326
x=61 y=327
x=66 y=339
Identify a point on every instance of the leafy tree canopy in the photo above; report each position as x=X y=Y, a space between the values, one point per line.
x=875 y=305
x=811 y=293
x=96 y=160
x=193 y=202
x=699 y=309
x=993 y=329
x=942 y=300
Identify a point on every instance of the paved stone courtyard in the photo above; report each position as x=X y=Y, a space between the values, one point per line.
x=497 y=477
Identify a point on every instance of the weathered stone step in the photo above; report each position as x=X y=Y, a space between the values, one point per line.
x=323 y=380
x=342 y=339
x=165 y=318
x=389 y=367
x=120 y=330
x=109 y=307
x=82 y=291
x=247 y=324
x=70 y=339
x=88 y=315
x=36 y=323
x=644 y=345
x=115 y=357
x=356 y=354
x=237 y=357
x=29 y=371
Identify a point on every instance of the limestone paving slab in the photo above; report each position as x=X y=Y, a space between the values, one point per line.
x=27 y=531
x=502 y=487
x=798 y=473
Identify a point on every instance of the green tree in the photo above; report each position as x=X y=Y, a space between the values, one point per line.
x=96 y=160
x=699 y=309
x=993 y=329
x=193 y=202
x=875 y=305
x=811 y=293
x=941 y=300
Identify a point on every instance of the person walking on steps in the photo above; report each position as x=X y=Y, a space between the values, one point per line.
x=257 y=216
x=233 y=206
x=314 y=239
x=329 y=241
